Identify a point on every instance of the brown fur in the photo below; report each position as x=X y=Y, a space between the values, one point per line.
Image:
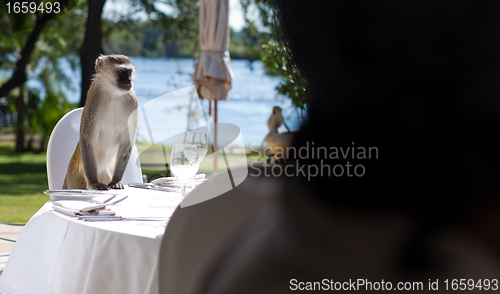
x=108 y=127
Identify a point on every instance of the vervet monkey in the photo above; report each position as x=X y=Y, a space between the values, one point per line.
x=273 y=138
x=108 y=127
x=275 y=121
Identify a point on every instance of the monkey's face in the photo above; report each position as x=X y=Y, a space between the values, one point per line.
x=115 y=70
x=124 y=78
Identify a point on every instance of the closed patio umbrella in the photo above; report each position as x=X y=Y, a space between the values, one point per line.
x=213 y=74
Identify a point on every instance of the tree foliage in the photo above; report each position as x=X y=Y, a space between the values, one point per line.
x=277 y=59
x=276 y=55
x=48 y=42
x=145 y=38
x=53 y=106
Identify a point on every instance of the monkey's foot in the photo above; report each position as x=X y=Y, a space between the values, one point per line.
x=118 y=185
x=99 y=186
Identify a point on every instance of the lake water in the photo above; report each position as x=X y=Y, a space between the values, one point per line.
x=249 y=103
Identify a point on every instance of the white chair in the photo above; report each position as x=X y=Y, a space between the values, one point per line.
x=62 y=144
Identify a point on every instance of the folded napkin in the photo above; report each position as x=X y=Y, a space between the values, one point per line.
x=80 y=208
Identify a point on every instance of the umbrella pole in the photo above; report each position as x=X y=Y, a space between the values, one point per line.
x=215 y=136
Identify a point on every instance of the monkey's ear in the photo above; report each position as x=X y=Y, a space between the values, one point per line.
x=98 y=62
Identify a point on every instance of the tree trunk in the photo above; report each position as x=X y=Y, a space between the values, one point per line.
x=92 y=46
x=19 y=75
x=20 y=106
x=43 y=144
x=29 y=145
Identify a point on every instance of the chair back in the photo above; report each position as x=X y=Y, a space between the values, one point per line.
x=62 y=144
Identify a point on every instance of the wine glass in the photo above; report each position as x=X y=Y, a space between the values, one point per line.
x=183 y=164
x=200 y=140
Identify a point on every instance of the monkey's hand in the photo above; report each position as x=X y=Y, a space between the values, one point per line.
x=99 y=186
x=116 y=185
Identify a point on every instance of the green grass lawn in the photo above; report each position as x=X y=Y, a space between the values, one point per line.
x=23 y=178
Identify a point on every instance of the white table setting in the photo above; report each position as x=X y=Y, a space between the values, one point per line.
x=89 y=242
x=59 y=253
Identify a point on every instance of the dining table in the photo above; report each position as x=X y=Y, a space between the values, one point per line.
x=59 y=253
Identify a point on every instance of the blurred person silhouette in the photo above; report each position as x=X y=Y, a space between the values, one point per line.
x=417 y=81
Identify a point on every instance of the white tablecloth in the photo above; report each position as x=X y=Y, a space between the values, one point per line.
x=56 y=253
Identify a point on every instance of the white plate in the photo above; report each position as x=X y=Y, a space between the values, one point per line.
x=178 y=184
x=164 y=179
x=169 y=180
x=72 y=196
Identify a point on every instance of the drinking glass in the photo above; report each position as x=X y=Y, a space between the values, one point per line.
x=183 y=163
x=200 y=140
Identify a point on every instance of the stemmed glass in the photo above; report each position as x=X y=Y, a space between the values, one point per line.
x=183 y=164
x=200 y=140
